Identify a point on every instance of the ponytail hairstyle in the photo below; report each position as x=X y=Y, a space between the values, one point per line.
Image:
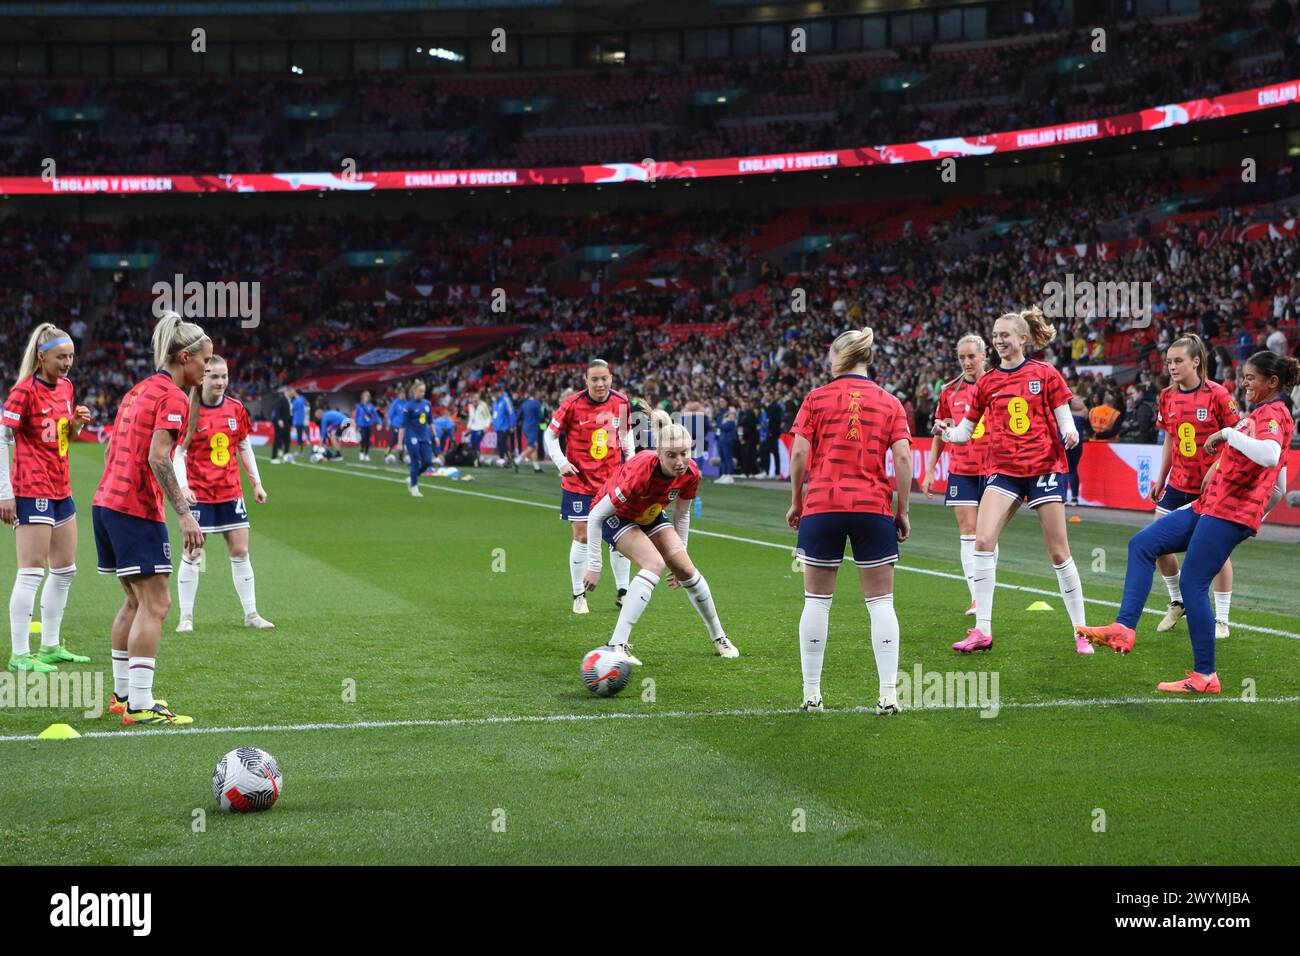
x=1033 y=324
x=1284 y=367
x=42 y=337
x=666 y=431
x=1195 y=348
x=976 y=340
x=852 y=348
x=172 y=335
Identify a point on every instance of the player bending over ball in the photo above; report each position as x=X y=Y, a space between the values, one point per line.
x=842 y=434
x=332 y=425
x=130 y=525
x=1248 y=480
x=1191 y=409
x=596 y=427
x=39 y=420
x=629 y=514
x=1025 y=405
x=209 y=478
x=967 y=464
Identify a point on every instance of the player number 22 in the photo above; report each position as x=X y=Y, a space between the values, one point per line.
x=1018 y=415
x=599 y=444
x=220 y=449
x=1187 y=440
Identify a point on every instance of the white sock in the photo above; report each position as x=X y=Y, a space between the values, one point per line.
x=984 y=575
x=813 y=625
x=1174 y=585
x=577 y=565
x=1067 y=576
x=121 y=673
x=968 y=561
x=621 y=565
x=141 y=683
x=884 y=641
x=638 y=596
x=702 y=599
x=187 y=586
x=241 y=571
x=54 y=598
x=26 y=583
x=1222 y=604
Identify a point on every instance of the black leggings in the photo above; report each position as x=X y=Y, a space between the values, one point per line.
x=365 y=438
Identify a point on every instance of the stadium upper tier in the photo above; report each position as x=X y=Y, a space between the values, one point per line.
x=674 y=113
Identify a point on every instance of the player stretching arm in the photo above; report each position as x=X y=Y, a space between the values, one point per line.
x=967 y=464
x=842 y=434
x=1191 y=409
x=130 y=527
x=1025 y=405
x=597 y=430
x=209 y=478
x=628 y=512
x=1249 y=480
x=40 y=420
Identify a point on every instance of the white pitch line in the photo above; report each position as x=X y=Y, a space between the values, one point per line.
x=790 y=548
x=642 y=715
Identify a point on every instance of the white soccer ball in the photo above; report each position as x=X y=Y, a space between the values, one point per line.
x=318 y=449
x=288 y=457
x=317 y=458
x=390 y=459
x=605 y=672
x=247 y=780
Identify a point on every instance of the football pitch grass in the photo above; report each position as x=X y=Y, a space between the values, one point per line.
x=422 y=695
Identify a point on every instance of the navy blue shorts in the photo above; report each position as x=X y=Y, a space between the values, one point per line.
x=51 y=511
x=1173 y=499
x=965 y=490
x=574 y=507
x=821 y=539
x=615 y=527
x=220 y=516
x=129 y=545
x=1036 y=489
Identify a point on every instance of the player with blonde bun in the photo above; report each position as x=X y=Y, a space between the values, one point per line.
x=628 y=513
x=844 y=434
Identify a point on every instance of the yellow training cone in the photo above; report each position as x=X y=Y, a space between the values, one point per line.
x=1039 y=606
x=36 y=627
x=58 y=732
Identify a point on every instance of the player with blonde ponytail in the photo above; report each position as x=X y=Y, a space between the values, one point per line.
x=967 y=464
x=1025 y=407
x=845 y=432
x=130 y=525
x=40 y=420
x=628 y=514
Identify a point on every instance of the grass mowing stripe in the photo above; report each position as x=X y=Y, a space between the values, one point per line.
x=785 y=547
x=638 y=715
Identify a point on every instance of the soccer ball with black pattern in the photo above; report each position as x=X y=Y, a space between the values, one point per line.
x=604 y=672
x=247 y=780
